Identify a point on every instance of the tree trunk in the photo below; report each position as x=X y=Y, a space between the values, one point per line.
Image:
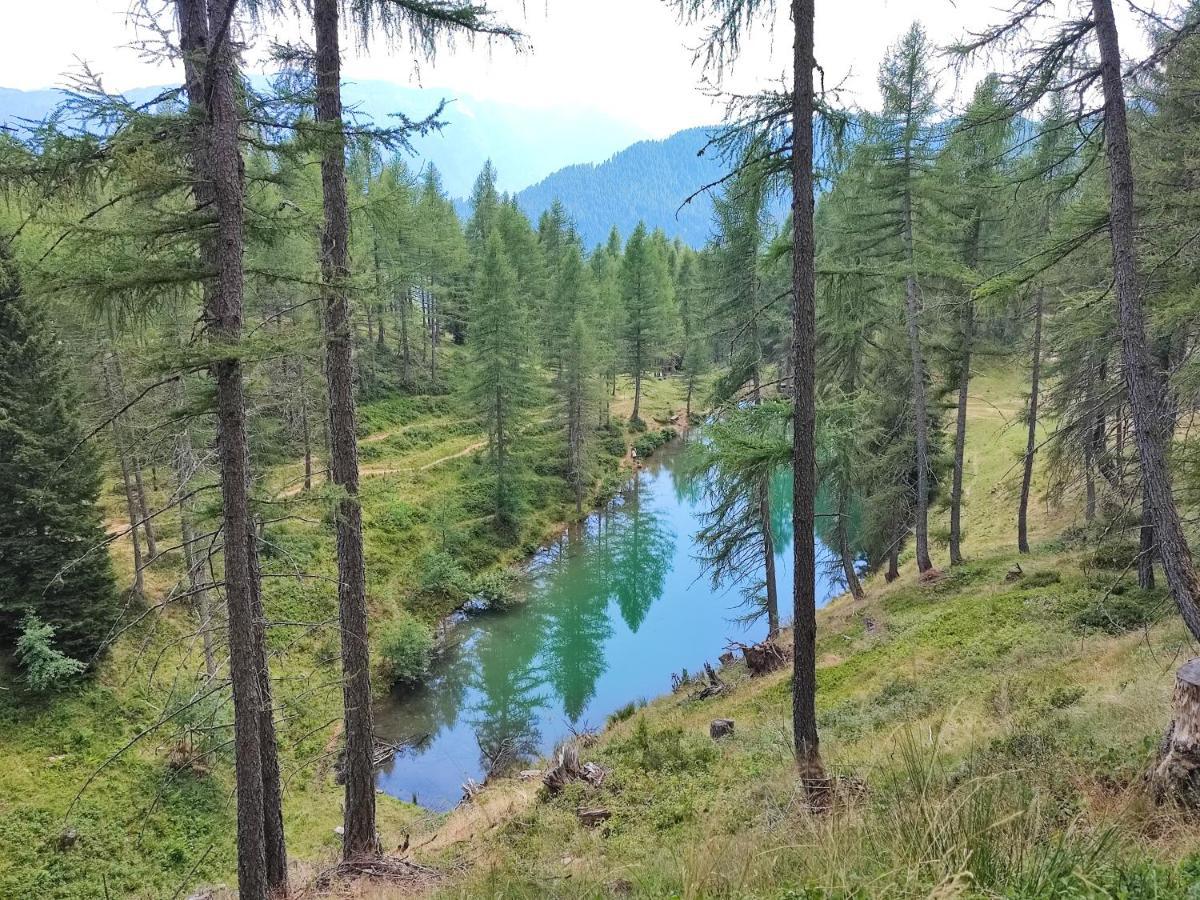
x=134 y=463
x=305 y=429
x=131 y=508
x=1146 y=545
x=803 y=353
x=844 y=551
x=1031 y=433
x=960 y=435
x=912 y=317
x=1145 y=395
x=360 y=838
x=893 y=569
x=1176 y=774
x=185 y=470
x=768 y=548
x=144 y=509
x=218 y=186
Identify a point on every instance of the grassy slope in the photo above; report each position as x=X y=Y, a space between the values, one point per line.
x=992 y=736
x=144 y=829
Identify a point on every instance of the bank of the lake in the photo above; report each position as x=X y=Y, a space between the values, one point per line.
x=616 y=605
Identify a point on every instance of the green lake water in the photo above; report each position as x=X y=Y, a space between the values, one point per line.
x=616 y=605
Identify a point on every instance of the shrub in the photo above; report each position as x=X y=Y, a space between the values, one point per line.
x=623 y=713
x=497 y=589
x=43 y=666
x=1114 y=554
x=442 y=576
x=668 y=750
x=1119 y=613
x=405 y=650
x=1040 y=579
x=652 y=440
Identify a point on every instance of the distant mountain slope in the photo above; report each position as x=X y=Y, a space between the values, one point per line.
x=645 y=182
x=524 y=143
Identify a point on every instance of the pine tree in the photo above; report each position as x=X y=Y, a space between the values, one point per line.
x=54 y=562
x=646 y=301
x=501 y=381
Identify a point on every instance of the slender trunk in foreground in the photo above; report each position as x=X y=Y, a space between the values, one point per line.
x=1031 y=434
x=1143 y=389
x=768 y=548
x=960 y=435
x=360 y=838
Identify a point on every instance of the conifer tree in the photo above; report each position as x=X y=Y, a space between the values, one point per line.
x=646 y=301
x=54 y=563
x=501 y=381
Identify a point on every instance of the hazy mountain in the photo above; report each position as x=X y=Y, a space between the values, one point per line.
x=525 y=143
x=647 y=182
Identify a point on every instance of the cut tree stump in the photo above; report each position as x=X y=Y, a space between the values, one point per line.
x=719 y=728
x=763 y=658
x=567 y=769
x=713 y=687
x=1176 y=775
x=593 y=817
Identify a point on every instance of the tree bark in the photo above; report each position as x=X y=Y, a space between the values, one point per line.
x=1031 y=433
x=803 y=360
x=360 y=838
x=1145 y=565
x=131 y=507
x=912 y=318
x=960 y=435
x=768 y=548
x=1146 y=398
x=1176 y=774
x=844 y=551
x=218 y=188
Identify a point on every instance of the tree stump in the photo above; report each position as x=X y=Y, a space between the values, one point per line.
x=719 y=728
x=593 y=817
x=1176 y=775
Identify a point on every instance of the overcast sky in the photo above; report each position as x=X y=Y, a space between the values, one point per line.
x=629 y=59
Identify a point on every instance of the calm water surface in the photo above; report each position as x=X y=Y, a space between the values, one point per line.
x=615 y=606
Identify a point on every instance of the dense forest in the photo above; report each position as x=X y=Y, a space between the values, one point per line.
x=276 y=422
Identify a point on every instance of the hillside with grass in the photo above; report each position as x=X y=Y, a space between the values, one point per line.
x=988 y=732
x=124 y=786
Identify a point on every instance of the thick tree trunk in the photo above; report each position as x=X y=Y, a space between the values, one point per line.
x=768 y=548
x=218 y=187
x=360 y=838
x=960 y=434
x=803 y=364
x=1143 y=389
x=1031 y=424
x=893 y=569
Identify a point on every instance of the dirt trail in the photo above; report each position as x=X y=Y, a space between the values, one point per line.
x=375 y=470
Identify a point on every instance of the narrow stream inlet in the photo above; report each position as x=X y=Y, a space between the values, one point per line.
x=616 y=605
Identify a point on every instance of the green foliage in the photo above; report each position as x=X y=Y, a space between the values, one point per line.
x=652 y=440
x=405 y=648
x=1117 y=613
x=624 y=713
x=498 y=589
x=667 y=750
x=43 y=666
x=442 y=576
x=53 y=561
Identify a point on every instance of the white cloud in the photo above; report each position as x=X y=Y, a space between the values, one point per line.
x=628 y=59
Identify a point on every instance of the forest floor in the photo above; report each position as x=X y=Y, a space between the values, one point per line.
x=987 y=734
x=94 y=800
